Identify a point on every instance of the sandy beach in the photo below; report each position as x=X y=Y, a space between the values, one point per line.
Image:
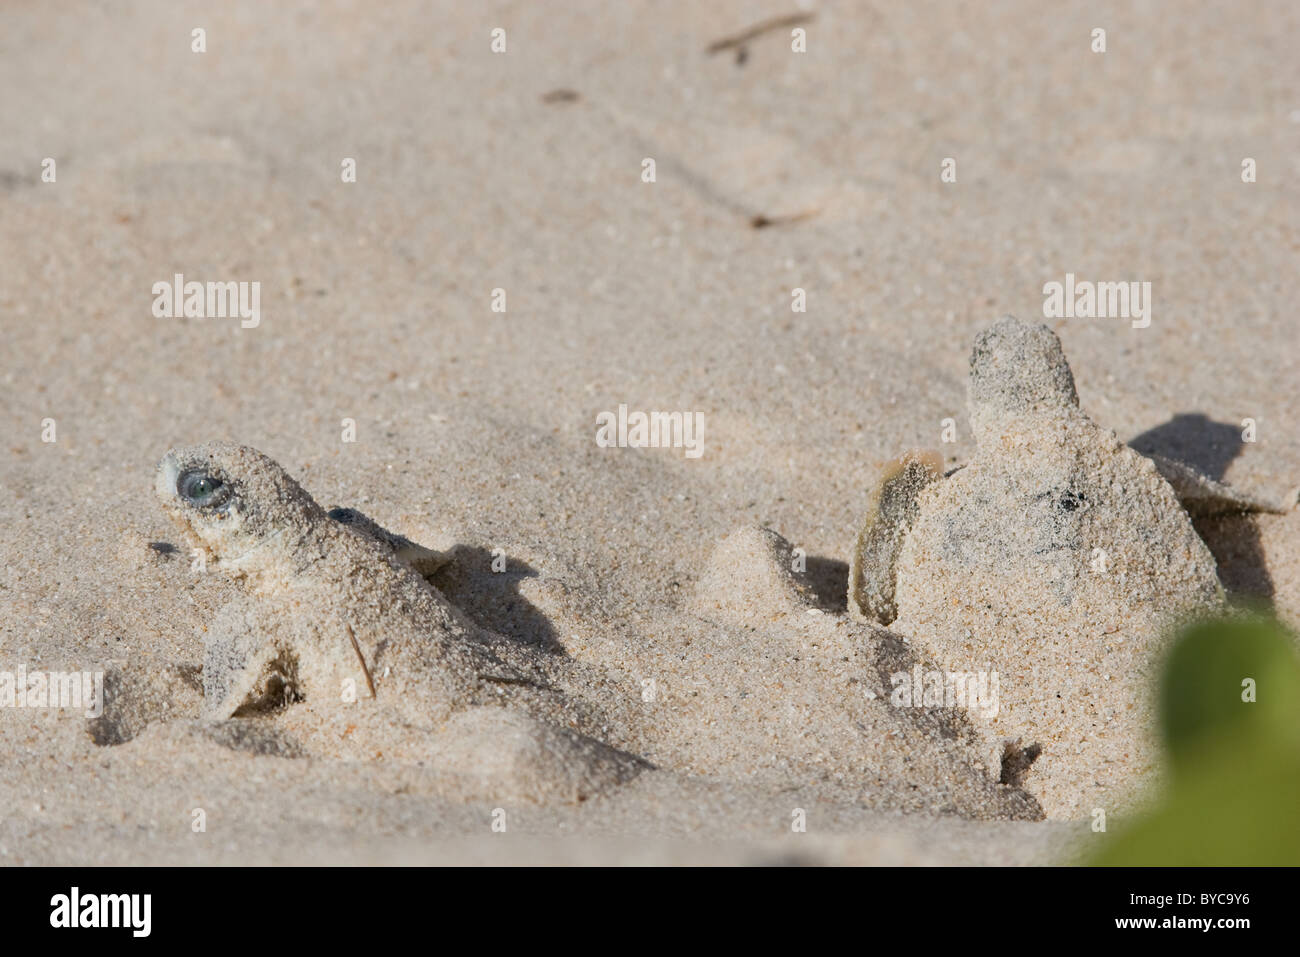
x=470 y=259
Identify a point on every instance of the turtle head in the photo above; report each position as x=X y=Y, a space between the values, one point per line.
x=1015 y=368
x=233 y=500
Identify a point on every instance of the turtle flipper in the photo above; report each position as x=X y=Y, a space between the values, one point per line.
x=1202 y=496
x=891 y=510
x=426 y=561
x=243 y=672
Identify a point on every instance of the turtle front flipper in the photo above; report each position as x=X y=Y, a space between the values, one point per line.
x=1202 y=496
x=891 y=510
x=244 y=673
x=426 y=561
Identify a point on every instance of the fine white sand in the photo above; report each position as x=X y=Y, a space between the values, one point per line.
x=475 y=430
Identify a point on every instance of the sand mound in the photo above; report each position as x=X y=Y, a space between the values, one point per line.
x=497 y=755
x=751 y=579
x=781 y=691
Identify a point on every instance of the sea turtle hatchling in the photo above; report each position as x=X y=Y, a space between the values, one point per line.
x=336 y=610
x=1058 y=558
x=328 y=603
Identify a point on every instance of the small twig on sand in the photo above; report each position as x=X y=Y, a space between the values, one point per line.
x=365 y=669
x=761 y=221
x=757 y=30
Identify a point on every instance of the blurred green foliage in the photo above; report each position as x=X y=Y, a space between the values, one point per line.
x=1233 y=790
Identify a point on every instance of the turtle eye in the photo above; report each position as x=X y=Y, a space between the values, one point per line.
x=201 y=489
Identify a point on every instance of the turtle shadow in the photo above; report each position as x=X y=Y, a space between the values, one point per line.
x=1233 y=540
x=1196 y=439
x=828 y=579
x=491 y=598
